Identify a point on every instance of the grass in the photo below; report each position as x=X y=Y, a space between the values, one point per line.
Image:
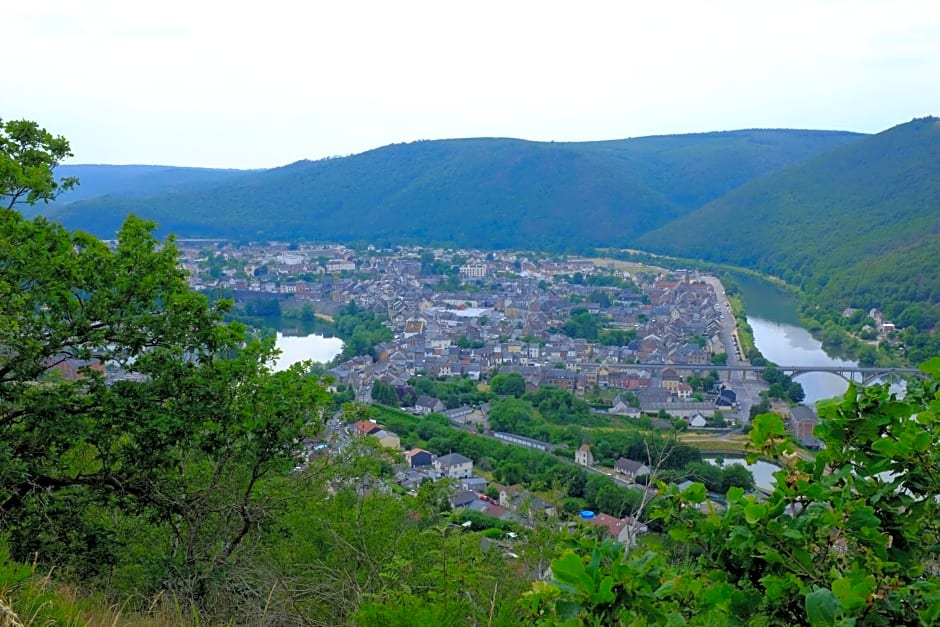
x=708 y=444
x=38 y=600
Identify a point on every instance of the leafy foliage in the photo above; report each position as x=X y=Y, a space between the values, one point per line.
x=850 y=537
x=510 y=384
x=360 y=330
x=127 y=408
x=28 y=156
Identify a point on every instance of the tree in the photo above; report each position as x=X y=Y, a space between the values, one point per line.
x=736 y=476
x=510 y=415
x=384 y=393
x=127 y=407
x=509 y=384
x=28 y=157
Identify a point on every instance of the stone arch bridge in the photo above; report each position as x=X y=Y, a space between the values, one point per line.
x=858 y=374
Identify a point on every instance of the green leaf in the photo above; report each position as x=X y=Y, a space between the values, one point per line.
x=567 y=610
x=604 y=592
x=773 y=556
x=932 y=367
x=679 y=534
x=569 y=569
x=735 y=494
x=718 y=595
x=922 y=441
x=764 y=427
x=853 y=592
x=886 y=447
x=695 y=493
x=793 y=534
x=863 y=518
x=754 y=512
x=775 y=586
x=822 y=607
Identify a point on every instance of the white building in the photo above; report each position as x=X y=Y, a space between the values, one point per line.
x=340 y=265
x=473 y=271
x=454 y=466
x=583 y=455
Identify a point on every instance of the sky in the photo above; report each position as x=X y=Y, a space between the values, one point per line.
x=265 y=83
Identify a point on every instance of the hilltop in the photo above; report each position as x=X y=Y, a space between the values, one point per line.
x=130 y=181
x=485 y=192
x=858 y=226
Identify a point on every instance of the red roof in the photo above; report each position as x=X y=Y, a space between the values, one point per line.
x=365 y=427
x=613 y=525
x=496 y=511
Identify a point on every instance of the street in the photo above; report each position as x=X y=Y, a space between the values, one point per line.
x=748 y=391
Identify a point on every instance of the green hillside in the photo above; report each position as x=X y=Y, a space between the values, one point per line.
x=472 y=192
x=131 y=180
x=857 y=226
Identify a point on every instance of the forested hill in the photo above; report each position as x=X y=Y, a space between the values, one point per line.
x=472 y=192
x=859 y=225
x=132 y=180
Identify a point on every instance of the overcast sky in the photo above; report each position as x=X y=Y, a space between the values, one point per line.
x=264 y=83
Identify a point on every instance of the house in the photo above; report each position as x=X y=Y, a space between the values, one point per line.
x=562 y=378
x=613 y=526
x=71 y=369
x=583 y=455
x=463 y=498
x=631 y=469
x=412 y=479
x=427 y=404
x=474 y=484
x=418 y=457
x=498 y=511
x=387 y=438
x=454 y=466
x=726 y=398
x=623 y=530
x=697 y=421
x=340 y=265
x=622 y=408
x=802 y=422
x=366 y=427
x=517 y=499
x=413 y=326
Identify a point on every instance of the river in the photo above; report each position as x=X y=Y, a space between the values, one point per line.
x=762 y=471
x=295 y=348
x=298 y=339
x=772 y=314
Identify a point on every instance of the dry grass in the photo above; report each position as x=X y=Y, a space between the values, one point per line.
x=8 y=617
x=40 y=602
x=626 y=266
x=712 y=445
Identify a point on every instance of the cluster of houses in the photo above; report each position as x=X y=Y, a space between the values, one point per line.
x=505 y=315
x=629 y=468
x=473 y=335
x=473 y=492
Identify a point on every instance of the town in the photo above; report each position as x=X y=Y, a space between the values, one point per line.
x=632 y=340
x=585 y=326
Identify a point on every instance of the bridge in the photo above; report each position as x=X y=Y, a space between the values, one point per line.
x=858 y=374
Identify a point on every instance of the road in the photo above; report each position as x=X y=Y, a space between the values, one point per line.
x=748 y=391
